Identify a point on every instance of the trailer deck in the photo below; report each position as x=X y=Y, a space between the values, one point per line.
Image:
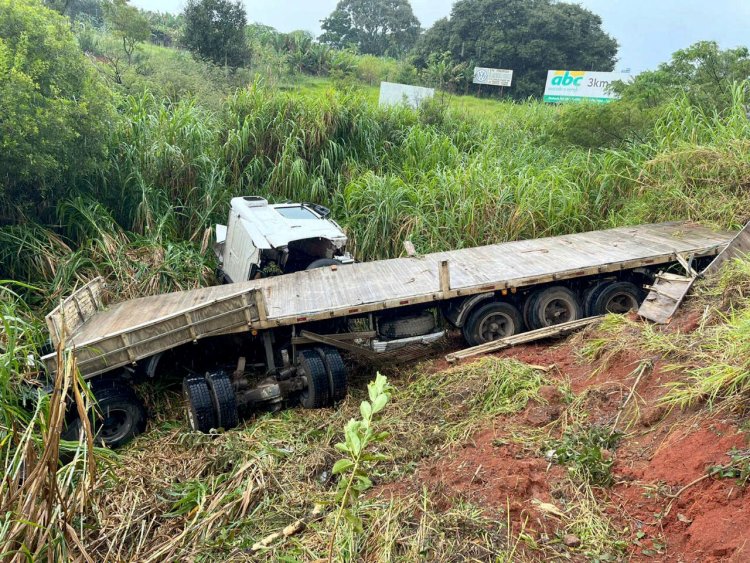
x=139 y=328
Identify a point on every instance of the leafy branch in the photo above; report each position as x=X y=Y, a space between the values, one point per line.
x=359 y=436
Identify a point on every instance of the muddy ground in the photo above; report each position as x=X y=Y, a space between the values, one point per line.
x=662 y=502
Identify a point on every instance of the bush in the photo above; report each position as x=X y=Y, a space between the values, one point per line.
x=592 y=125
x=56 y=112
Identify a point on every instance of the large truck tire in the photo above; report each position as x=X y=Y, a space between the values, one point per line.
x=317 y=394
x=336 y=371
x=223 y=399
x=491 y=321
x=407 y=326
x=118 y=416
x=200 y=406
x=551 y=306
x=612 y=297
x=322 y=263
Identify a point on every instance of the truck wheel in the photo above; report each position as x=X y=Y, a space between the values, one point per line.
x=118 y=417
x=322 y=263
x=317 y=394
x=615 y=297
x=491 y=321
x=407 y=326
x=200 y=407
x=336 y=371
x=552 y=306
x=223 y=399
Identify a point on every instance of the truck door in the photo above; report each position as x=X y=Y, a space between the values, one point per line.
x=239 y=253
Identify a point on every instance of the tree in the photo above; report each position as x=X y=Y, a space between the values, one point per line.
x=703 y=72
x=376 y=27
x=90 y=10
x=215 y=30
x=56 y=114
x=128 y=24
x=528 y=36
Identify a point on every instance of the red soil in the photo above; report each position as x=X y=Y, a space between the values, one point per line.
x=665 y=451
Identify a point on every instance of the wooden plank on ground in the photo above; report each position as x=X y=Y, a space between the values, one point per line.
x=665 y=297
x=669 y=290
x=523 y=338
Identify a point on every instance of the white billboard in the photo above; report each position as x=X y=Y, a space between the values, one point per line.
x=492 y=76
x=578 y=85
x=393 y=94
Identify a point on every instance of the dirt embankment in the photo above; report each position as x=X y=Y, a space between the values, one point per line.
x=662 y=505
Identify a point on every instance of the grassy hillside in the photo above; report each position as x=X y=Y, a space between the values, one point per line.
x=181 y=139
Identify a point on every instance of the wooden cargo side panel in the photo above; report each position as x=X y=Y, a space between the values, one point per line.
x=65 y=319
x=233 y=314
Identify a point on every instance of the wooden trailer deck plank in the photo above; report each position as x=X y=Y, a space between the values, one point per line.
x=404 y=279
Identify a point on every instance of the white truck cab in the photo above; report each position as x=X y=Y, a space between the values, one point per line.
x=262 y=240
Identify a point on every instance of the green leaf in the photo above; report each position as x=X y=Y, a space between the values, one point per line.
x=354 y=520
x=342 y=465
x=366 y=409
x=379 y=403
x=364 y=482
x=354 y=442
x=372 y=391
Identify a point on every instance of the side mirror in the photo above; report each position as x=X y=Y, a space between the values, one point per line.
x=321 y=210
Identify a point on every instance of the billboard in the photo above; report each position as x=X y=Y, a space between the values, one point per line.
x=492 y=76
x=392 y=94
x=578 y=85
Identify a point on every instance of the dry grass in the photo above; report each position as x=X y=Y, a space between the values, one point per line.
x=174 y=494
x=41 y=504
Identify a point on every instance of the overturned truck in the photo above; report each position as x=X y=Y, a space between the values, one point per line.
x=269 y=342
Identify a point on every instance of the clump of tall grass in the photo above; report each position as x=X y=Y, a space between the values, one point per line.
x=40 y=502
x=719 y=366
x=133 y=265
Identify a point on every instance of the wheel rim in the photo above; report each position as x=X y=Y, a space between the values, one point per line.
x=621 y=303
x=558 y=311
x=495 y=326
x=115 y=425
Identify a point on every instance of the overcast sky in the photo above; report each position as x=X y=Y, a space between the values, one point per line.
x=648 y=31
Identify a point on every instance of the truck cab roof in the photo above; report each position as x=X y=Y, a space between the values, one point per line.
x=275 y=226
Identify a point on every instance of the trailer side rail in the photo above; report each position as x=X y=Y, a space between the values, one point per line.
x=137 y=329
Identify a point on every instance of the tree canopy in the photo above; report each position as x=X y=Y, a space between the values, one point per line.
x=375 y=27
x=128 y=24
x=55 y=112
x=528 y=36
x=215 y=30
x=703 y=72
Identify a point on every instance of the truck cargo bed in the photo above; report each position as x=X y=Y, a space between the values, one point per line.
x=139 y=328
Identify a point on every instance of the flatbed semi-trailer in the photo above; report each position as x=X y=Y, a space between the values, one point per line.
x=298 y=322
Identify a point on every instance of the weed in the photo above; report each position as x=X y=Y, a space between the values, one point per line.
x=737 y=468
x=359 y=436
x=587 y=451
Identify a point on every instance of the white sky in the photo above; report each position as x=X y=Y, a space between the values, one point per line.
x=648 y=31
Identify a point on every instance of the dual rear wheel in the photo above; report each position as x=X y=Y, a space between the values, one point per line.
x=211 y=402
x=324 y=370
x=548 y=307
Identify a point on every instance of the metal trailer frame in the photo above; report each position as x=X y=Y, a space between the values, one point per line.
x=105 y=339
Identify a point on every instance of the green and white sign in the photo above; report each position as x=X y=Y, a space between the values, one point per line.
x=580 y=85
